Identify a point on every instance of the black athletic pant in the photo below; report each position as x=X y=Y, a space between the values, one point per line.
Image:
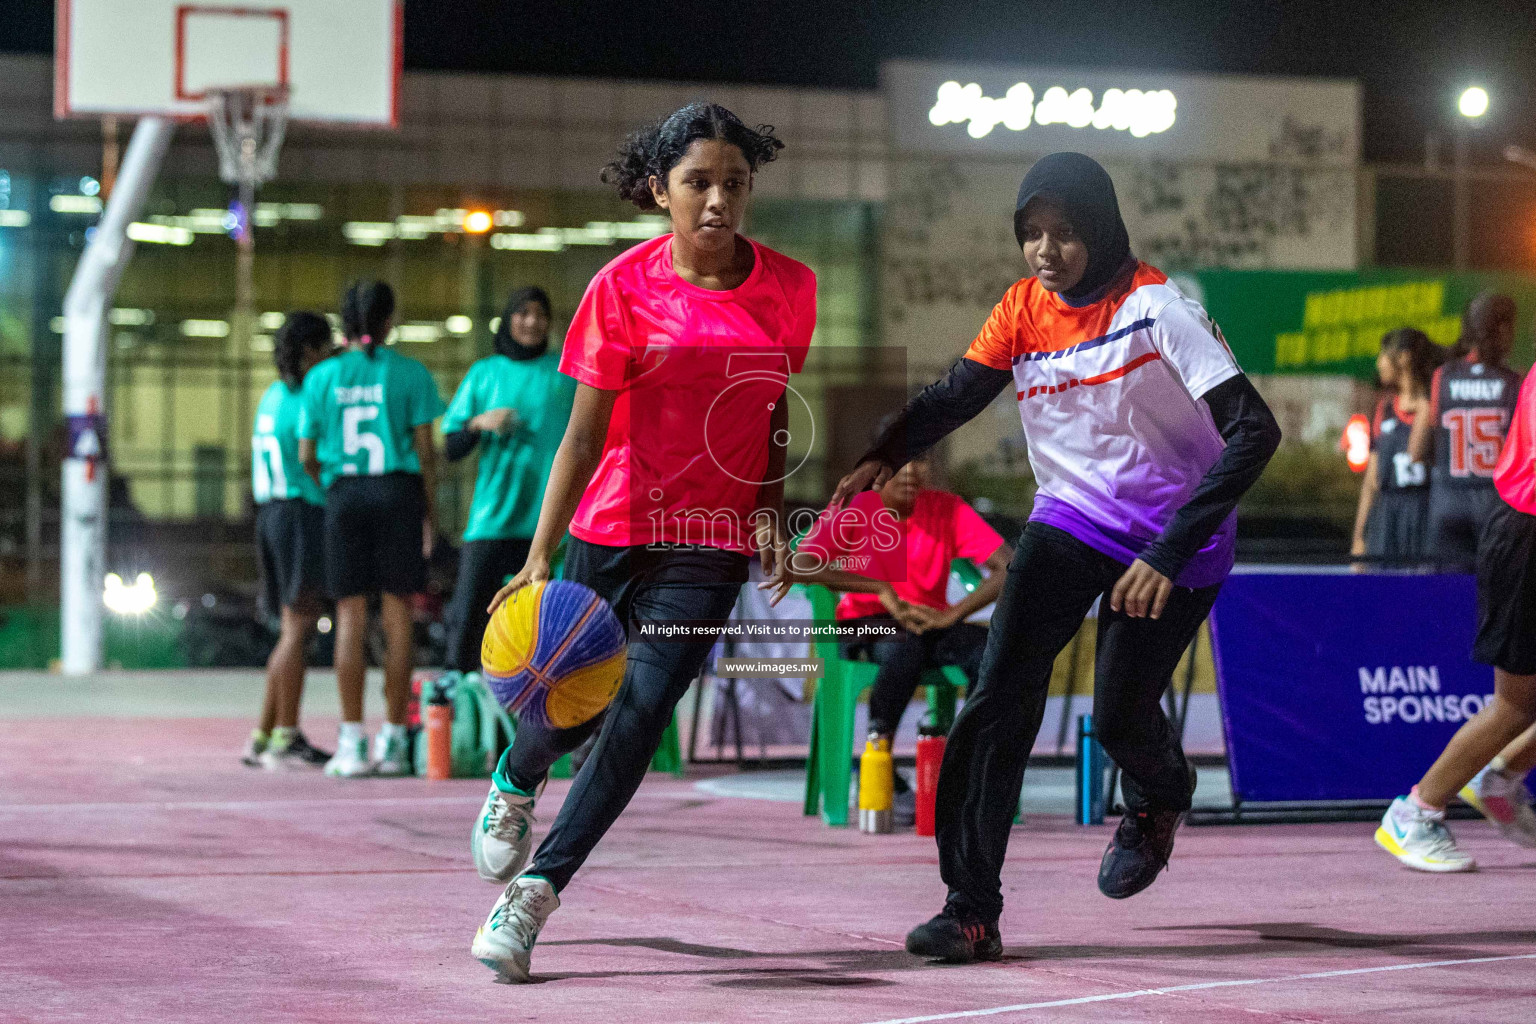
x=483 y=566
x=1052 y=582
x=697 y=584
x=904 y=658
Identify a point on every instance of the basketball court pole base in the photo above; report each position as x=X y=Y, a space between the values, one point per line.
x=84 y=529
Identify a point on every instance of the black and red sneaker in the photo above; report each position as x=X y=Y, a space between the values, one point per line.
x=1140 y=850
x=956 y=938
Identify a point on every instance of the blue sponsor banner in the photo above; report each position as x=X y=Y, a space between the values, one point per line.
x=1343 y=687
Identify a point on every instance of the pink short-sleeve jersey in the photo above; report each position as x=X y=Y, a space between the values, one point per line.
x=912 y=554
x=698 y=373
x=1515 y=474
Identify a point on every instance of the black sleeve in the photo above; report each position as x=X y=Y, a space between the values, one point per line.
x=460 y=443
x=964 y=391
x=1252 y=435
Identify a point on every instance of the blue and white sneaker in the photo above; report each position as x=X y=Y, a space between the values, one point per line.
x=1420 y=839
x=503 y=834
x=505 y=942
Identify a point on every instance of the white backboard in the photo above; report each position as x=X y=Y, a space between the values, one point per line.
x=339 y=59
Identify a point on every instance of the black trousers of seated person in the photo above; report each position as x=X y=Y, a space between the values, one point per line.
x=904 y=658
x=1052 y=581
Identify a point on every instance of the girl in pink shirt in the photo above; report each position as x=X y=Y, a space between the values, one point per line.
x=669 y=476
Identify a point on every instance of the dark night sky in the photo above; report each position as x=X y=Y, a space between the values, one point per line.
x=1412 y=56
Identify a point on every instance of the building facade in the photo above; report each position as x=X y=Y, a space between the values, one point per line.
x=900 y=198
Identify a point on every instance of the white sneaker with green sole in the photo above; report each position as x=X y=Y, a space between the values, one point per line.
x=391 y=755
x=505 y=942
x=503 y=834
x=350 y=760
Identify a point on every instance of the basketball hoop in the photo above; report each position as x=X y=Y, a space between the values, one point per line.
x=248 y=126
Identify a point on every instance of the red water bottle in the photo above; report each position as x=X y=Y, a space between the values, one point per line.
x=930 y=754
x=439 y=736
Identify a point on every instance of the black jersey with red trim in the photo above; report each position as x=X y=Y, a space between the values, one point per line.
x=1470 y=407
x=1395 y=468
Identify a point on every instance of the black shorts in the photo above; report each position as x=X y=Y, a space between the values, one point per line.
x=1456 y=518
x=616 y=573
x=373 y=535
x=1398 y=524
x=290 y=548
x=1506 y=592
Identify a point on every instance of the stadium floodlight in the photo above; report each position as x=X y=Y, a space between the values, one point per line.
x=1474 y=102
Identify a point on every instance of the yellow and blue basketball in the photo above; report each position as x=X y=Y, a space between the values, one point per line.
x=553 y=654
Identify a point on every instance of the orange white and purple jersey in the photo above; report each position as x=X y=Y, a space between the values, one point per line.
x=1109 y=396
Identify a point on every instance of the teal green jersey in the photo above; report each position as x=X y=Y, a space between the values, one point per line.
x=276 y=473
x=362 y=413
x=509 y=487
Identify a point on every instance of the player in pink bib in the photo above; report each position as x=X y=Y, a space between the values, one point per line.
x=669 y=476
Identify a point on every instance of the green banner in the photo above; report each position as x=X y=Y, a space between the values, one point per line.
x=1331 y=322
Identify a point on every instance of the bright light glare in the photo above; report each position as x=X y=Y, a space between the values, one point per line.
x=459 y=324
x=1356 y=442
x=324 y=625
x=75 y=204
x=134 y=598
x=477 y=222
x=1474 y=102
x=159 y=234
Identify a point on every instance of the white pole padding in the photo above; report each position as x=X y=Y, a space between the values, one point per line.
x=83 y=531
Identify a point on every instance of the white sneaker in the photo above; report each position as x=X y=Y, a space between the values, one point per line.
x=391 y=754
x=350 y=760
x=1420 y=839
x=503 y=834
x=505 y=942
x=1506 y=802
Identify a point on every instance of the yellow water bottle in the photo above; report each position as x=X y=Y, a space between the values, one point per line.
x=876 y=785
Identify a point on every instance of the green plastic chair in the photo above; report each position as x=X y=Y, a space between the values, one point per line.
x=829 y=763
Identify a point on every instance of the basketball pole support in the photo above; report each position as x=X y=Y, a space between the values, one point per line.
x=83 y=529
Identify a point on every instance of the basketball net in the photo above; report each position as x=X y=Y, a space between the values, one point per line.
x=248 y=126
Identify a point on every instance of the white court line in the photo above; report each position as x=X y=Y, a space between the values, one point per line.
x=1114 y=996
x=253 y=805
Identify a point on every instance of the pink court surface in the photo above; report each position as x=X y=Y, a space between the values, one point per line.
x=146 y=876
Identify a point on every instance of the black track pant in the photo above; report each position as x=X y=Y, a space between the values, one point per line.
x=483 y=566
x=694 y=584
x=1052 y=582
x=904 y=658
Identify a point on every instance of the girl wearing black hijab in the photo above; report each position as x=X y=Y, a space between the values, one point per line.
x=1143 y=433
x=512 y=406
